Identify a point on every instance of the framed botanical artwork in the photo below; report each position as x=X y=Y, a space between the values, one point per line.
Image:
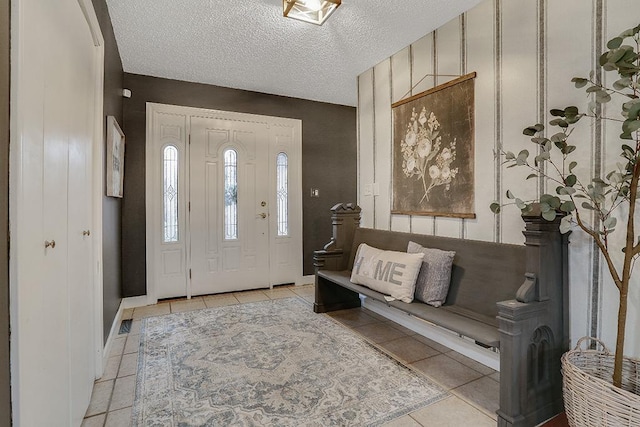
x=433 y=151
x=114 y=158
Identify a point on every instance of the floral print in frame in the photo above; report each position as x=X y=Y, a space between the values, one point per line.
x=433 y=146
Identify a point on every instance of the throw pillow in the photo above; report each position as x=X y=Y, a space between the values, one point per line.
x=388 y=272
x=434 y=279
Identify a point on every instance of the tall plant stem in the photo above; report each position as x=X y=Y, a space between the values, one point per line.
x=629 y=253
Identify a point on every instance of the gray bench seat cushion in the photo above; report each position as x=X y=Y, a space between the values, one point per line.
x=480 y=328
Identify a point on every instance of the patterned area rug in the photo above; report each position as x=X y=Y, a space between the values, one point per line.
x=271 y=363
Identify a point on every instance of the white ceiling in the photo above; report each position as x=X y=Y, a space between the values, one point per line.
x=248 y=44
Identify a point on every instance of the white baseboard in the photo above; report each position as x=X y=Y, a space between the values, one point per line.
x=113 y=333
x=133 y=302
x=440 y=335
x=306 y=280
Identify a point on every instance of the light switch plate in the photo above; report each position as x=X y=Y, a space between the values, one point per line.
x=315 y=192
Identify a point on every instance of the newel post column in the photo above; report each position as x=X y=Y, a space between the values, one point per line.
x=345 y=218
x=534 y=328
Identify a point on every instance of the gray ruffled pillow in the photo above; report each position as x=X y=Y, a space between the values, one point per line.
x=434 y=278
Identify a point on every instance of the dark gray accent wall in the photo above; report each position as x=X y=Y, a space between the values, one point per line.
x=329 y=152
x=5 y=383
x=111 y=207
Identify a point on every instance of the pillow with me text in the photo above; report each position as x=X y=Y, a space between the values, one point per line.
x=388 y=272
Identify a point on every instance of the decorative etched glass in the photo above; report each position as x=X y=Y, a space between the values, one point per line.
x=170 y=194
x=230 y=195
x=282 y=194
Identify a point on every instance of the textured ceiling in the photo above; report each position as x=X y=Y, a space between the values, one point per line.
x=248 y=44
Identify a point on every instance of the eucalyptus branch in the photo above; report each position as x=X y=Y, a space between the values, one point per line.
x=594 y=235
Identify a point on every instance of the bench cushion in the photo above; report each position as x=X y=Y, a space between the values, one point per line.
x=482 y=329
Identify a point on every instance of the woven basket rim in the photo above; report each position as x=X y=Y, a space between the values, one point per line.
x=566 y=358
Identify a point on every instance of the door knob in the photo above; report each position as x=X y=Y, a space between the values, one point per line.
x=86 y=232
x=263 y=215
x=263 y=204
x=49 y=244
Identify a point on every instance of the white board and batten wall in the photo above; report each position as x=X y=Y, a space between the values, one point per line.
x=525 y=54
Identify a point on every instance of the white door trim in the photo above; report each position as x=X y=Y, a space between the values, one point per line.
x=150 y=196
x=98 y=185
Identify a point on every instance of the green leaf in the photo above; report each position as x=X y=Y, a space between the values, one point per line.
x=565 y=191
x=559 y=122
x=509 y=155
x=549 y=215
x=532 y=130
x=566 y=224
x=603 y=59
x=580 y=82
x=610 y=222
x=594 y=89
x=540 y=140
x=571 y=180
x=616 y=55
x=567 y=206
x=587 y=205
x=622 y=83
x=572 y=165
x=520 y=204
x=495 y=207
x=603 y=97
x=532 y=175
x=615 y=42
x=559 y=137
x=571 y=111
x=510 y=195
x=544 y=207
x=557 y=113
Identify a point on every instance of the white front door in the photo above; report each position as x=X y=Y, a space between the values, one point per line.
x=242 y=201
x=229 y=217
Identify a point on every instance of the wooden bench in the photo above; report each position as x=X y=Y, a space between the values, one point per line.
x=509 y=298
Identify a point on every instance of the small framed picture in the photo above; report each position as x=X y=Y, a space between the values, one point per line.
x=115 y=158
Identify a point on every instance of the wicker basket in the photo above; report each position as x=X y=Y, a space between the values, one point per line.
x=590 y=399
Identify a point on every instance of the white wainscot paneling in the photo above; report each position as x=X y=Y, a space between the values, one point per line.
x=422 y=66
x=559 y=70
x=365 y=147
x=382 y=111
x=401 y=83
x=480 y=58
x=448 y=50
x=519 y=103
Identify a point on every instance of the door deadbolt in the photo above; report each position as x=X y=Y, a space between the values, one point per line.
x=263 y=203
x=50 y=244
x=263 y=215
x=86 y=232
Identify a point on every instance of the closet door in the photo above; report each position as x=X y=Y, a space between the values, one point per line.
x=51 y=284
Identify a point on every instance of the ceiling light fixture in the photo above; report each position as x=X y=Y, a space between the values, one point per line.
x=313 y=11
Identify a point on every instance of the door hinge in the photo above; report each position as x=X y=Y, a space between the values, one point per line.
x=189 y=139
x=189 y=206
x=189 y=273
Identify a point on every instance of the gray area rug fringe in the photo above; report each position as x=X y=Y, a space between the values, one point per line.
x=269 y=363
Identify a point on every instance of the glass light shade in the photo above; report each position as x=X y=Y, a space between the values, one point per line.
x=313 y=11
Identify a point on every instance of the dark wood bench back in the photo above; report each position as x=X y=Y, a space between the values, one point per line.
x=483 y=272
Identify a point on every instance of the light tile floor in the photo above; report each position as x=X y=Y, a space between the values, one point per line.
x=473 y=386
